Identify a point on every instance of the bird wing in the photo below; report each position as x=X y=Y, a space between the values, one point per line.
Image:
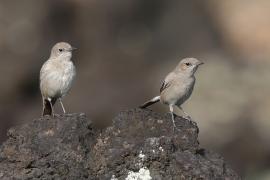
x=167 y=82
x=164 y=86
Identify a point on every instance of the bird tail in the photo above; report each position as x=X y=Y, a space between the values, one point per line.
x=48 y=106
x=150 y=102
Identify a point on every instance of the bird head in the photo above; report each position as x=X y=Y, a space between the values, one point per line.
x=62 y=49
x=189 y=65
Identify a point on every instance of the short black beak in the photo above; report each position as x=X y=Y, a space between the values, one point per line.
x=201 y=63
x=73 y=48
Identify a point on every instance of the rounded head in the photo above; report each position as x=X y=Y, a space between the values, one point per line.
x=62 y=49
x=189 y=65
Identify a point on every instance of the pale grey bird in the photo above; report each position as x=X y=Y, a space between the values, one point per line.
x=56 y=76
x=177 y=86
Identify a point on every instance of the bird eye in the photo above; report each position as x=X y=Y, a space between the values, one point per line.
x=188 y=64
x=60 y=50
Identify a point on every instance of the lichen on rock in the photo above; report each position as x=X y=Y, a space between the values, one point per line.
x=140 y=143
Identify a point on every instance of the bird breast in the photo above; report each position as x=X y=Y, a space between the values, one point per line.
x=56 y=78
x=68 y=76
x=178 y=92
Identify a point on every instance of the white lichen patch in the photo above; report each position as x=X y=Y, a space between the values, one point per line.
x=113 y=177
x=49 y=132
x=160 y=121
x=161 y=149
x=154 y=141
x=142 y=156
x=143 y=174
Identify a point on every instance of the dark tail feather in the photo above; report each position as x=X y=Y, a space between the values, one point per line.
x=149 y=103
x=47 y=107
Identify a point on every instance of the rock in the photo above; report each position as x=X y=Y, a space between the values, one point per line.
x=144 y=140
x=48 y=148
x=140 y=144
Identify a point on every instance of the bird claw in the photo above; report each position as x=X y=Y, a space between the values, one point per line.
x=174 y=125
x=175 y=128
x=187 y=117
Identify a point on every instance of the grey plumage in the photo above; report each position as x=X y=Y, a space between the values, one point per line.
x=177 y=86
x=56 y=76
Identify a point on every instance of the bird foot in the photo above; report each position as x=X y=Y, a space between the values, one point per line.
x=187 y=117
x=176 y=129
x=174 y=125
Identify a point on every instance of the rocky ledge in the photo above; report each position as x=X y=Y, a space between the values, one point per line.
x=140 y=144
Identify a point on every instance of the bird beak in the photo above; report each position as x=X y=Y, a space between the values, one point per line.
x=73 y=48
x=200 y=63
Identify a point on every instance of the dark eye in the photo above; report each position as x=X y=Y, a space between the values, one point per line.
x=188 y=64
x=60 y=50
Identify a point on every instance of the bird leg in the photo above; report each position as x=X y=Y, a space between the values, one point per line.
x=50 y=101
x=172 y=114
x=62 y=105
x=186 y=116
x=43 y=102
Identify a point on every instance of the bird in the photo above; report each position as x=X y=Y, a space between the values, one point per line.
x=56 y=76
x=177 y=86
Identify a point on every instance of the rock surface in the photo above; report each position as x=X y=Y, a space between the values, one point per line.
x=140 y=144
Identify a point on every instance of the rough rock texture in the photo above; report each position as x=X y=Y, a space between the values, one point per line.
x=139 y=145
x=48 y=148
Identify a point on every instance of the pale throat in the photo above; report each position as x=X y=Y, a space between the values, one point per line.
x=64 y=57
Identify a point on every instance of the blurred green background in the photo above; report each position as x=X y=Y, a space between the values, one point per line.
x=126 y=48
